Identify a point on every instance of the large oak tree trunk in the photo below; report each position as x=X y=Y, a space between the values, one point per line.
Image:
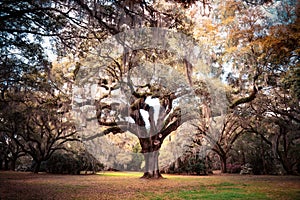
x=150 y=150
x=151 y=165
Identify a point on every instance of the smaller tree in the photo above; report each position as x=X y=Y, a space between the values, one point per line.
x=35 y=124
x=225 y=134
x=280 y=122
x=72 y=162
x=10 y=151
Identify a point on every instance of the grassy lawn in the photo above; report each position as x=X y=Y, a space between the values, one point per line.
x=127 y=185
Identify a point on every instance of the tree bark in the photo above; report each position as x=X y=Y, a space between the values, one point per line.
x=287 y=166
x=151 y=165
x=150 y=150
x=37 y=167
x=223 y=164
x=13 y=164
x=6 y=164
x=283 y=155
x=263 y=156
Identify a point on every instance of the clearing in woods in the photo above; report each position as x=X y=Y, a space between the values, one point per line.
x=127 y=185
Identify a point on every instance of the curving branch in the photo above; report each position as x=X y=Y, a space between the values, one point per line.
x=243 y=100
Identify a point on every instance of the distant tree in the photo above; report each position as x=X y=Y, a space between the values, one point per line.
x=252 y=46
x=277 y=107
x=227 y=132
x=10 y=152
x=37 y=124
x=276 y=121
x=32 y=120
x=72 y=162
x=260 y=56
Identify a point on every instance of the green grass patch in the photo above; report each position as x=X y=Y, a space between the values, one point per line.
x=209 y=194
x=220 y=191
x=223 y=184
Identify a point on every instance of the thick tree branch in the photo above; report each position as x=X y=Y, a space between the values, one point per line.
x=243 y=100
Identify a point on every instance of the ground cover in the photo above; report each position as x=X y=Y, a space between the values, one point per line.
x=128 y=185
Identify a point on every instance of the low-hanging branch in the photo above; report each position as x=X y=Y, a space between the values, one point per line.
x=247 y=99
